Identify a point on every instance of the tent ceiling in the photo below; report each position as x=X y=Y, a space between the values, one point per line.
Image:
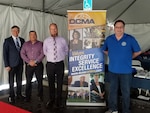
x=131 y=11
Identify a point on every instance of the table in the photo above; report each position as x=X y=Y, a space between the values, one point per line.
x=140 y=83
x=136 y=82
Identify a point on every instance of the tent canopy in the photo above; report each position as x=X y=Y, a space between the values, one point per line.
x=131 y=11
x=38 y=14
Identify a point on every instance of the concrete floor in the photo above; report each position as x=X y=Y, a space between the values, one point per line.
x=35 y=106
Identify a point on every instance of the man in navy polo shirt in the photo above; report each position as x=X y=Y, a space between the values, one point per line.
x=121 y=48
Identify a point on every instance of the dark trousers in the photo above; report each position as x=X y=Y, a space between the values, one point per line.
x=30 y=71
x=55 y=70
x=124 y=82
x=15 y=71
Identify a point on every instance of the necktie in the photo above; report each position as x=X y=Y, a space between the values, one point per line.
x=55 y=50
x=17 y=44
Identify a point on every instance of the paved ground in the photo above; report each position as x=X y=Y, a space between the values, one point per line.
x=35 y=106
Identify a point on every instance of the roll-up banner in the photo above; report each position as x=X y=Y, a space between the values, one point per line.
x=86 y=32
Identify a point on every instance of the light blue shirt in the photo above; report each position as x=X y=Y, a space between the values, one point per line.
x=48 y=49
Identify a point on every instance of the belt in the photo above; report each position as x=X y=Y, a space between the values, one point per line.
x=56 y=62
x=39 y=63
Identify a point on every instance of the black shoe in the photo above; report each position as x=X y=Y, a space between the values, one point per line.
x=11 y=100
x=49 y=105
x=40 y=99
x=27 y=99
x=59 y=109
x=20 y=97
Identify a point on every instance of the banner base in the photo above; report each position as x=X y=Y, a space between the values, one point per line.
x=86 y=104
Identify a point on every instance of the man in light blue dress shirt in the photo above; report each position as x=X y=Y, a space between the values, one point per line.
x=55 y=49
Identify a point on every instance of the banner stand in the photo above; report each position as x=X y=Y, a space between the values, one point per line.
x=86 y=32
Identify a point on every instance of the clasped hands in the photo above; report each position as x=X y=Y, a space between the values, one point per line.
x=32 y=63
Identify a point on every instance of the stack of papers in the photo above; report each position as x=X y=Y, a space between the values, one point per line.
x=143 y=97
x=148 y=75
x=143 y=74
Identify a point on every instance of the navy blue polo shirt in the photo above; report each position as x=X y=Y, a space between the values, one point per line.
x=120 y=53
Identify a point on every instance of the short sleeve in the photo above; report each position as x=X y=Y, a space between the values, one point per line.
x=135 y=45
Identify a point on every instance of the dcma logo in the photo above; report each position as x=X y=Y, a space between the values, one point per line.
x=81 y=21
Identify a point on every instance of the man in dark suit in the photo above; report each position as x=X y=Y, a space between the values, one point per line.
x=81 y=83
x=13 y=62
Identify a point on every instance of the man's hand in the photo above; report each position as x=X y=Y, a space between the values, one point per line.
x=8 y=68
x=32 y=63
x=102 y=95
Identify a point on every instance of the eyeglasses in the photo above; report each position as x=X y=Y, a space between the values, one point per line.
x=119 y=27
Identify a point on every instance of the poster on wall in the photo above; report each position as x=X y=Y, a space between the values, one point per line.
x=86 y=32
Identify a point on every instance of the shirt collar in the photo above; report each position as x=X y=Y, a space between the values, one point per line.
x=124 y=35
x=53 y=37
x=34 y=43
x=14 y=38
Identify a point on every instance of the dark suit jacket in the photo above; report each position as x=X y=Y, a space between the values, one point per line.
x=94 y=87
x=77 y=84
x=10 y=53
